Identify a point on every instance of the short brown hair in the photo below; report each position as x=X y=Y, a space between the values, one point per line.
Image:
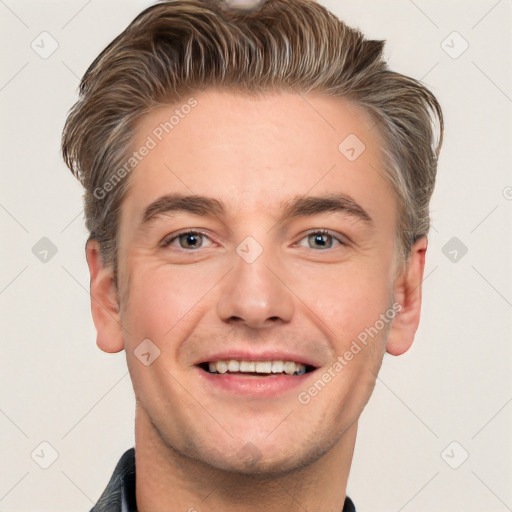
x=175 y=47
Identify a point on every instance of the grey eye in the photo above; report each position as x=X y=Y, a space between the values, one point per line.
x=321 y=240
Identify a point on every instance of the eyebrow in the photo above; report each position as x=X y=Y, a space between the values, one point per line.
x=298 y=206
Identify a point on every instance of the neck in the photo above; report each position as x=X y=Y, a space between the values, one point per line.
x=168 y=481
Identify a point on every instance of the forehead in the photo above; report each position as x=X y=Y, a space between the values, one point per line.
x=253 y=153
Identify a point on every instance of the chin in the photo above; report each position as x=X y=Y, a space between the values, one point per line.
x=263 y=460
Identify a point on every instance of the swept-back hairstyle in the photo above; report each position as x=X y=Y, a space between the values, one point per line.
x=176 y=47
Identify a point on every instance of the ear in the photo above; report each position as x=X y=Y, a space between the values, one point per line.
x=104 y=300
x=407 y=292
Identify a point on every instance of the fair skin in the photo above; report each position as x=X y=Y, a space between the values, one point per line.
x=241 y=441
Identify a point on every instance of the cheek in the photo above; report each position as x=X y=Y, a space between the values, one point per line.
x=346 y=300
x=163 y=300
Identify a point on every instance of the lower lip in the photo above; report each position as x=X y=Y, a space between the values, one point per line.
x=253 y=385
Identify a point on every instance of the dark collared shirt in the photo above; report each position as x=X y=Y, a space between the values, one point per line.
x=119 y=495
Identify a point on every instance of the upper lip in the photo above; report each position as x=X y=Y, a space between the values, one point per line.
x=267 y=355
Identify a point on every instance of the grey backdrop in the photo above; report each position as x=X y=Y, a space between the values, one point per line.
x=436 y=434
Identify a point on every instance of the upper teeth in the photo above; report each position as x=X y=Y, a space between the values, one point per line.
x=289 y=367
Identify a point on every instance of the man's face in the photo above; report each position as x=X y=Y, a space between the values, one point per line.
x=255 y=285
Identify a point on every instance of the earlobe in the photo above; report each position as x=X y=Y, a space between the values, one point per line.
x=104 y=301
x=407 y=292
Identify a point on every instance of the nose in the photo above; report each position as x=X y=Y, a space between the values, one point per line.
x=255 y=293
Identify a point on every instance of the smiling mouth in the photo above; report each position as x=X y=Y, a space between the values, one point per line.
x=256 y=368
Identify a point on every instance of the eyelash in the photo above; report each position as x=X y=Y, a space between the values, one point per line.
x=168 y=241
